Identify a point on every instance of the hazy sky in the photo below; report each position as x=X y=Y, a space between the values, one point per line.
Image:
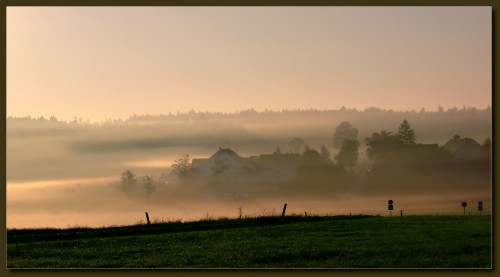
x=108 y=62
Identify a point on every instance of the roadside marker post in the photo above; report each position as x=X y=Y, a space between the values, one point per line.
x=464 y=204
x=390 y=206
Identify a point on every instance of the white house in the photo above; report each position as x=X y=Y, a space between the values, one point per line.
x=226 y=162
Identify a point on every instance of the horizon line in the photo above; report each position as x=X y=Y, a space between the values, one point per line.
x=248 y=110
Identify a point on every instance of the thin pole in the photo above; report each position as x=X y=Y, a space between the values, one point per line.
x=284 y=209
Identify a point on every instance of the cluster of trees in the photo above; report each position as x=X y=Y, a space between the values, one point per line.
x=345 y=139
x=131 y=186
x=396 y=158
x=318 y=173
x=402 y=165
x=384 y=142
x=299 y=146
x=182 y=167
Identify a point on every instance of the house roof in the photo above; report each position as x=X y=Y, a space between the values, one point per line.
x=252 y=160
x=279 y=158
x=454 y=145
x=226 y=152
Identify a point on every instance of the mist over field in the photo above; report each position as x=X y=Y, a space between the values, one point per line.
x=62 y=174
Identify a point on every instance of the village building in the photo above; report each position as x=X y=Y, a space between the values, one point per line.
x=226 y=162
x=465 y=149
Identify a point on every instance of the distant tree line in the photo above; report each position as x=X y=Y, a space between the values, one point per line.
x=204 y=116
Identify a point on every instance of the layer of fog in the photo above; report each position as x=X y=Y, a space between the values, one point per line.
x=61 y=175
x=51 y=150
x=97 y=203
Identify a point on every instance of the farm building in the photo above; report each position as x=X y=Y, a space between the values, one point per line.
x=465 y=149
x=228 y=163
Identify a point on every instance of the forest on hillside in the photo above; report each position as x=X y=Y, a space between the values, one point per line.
x=433 y=126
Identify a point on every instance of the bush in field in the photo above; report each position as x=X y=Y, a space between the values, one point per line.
x=128 y=182
x=182 y=167
x=130 y=186
x=149 y=185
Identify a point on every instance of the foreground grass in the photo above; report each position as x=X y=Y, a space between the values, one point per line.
x=267 y=242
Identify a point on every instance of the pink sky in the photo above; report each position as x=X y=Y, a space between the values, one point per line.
x=108 y=62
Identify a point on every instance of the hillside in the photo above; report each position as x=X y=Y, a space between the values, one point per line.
x=263 y=242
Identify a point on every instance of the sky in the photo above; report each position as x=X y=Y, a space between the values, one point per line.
x=113 y=62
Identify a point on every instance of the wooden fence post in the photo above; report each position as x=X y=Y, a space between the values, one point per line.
x=284 y=210
x=147 y=218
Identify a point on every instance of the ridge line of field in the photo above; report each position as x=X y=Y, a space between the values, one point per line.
x=47 y=234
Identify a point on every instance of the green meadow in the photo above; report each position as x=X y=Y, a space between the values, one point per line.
x=358 y=241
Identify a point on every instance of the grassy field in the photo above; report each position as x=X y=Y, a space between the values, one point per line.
x=264 y=242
